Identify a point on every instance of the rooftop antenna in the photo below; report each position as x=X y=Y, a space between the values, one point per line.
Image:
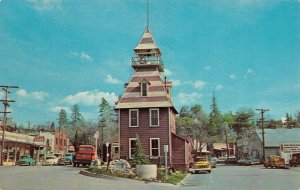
x=147 y=13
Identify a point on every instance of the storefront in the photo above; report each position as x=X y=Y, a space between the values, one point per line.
x=16 y=145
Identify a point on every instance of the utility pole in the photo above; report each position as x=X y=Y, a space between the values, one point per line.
x=262 y=111
x=6 y=105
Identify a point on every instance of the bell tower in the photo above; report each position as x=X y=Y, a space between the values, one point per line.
x=147 y=53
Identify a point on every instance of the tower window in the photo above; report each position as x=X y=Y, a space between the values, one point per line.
x=144 y=89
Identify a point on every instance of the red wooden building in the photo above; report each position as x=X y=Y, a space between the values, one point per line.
x=146 y=109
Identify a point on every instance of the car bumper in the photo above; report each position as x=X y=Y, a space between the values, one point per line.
x=193 y=170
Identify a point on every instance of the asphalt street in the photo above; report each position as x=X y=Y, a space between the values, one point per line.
x=222 y=177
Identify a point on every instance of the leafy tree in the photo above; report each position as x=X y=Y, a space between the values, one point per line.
x=244 y=125
x=215 y=118
x=184 y=112
x=298 y=120
x=139 y=157
x=194 y=127
x=290 y=122
x=273 y=124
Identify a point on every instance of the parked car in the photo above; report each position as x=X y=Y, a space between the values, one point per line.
x=68 y=159
x=26 y=160
x=221 y=160
x=200 y=164
x=51 y=160
x=231 y=161
x=213 y=161
x=249 y=161
x=61 y=161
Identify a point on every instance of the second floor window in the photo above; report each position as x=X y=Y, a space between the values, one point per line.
x=154 y=117
x=144 y=89
x=133 y=118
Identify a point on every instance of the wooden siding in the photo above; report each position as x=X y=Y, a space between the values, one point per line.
x=181 y=153
x=144 y=131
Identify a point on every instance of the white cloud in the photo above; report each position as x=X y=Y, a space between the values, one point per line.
x=219 y=87
x=232 y=77
x=81 y=55
x=57 y=109
x=109 y=79
x=207 y=67
x=176 y=82
x=199 y=84
x=37 y=95
x=248 y=73
x=188 y=99
x=90 y=98
x=168 y=72
x=45 y=5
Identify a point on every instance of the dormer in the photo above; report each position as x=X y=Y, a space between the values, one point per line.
x=144 y=86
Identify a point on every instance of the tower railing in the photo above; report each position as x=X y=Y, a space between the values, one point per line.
x=147 y=61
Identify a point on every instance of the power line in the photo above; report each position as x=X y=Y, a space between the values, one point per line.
x=262 y=111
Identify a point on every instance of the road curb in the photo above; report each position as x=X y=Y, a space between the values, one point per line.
x=96 y=175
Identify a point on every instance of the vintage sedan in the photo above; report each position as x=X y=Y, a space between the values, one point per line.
x=249 y=161
x=26 y=160
x=51 y=160
x=201 y=164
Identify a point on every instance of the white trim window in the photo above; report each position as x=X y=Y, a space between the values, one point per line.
x=154 y=147
x=133 y=118
x=132 y=147
x=144 y=89
x=154 y=117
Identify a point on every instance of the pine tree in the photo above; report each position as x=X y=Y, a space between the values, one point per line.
x=139 y=157
x=63 y=119
x=215 y=118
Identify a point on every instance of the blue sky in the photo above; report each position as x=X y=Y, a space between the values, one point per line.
x=62 y=53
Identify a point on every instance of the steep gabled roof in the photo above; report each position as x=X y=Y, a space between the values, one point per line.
x=147 y=43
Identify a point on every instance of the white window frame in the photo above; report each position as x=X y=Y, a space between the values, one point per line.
x=129 y=147
x=150 y=117
x=155 y=148
x=137 y=115
x=142 y=89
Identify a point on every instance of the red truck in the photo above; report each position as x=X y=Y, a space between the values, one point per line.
x=84 y=155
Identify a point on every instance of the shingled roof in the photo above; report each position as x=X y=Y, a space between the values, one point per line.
x=275 y=137
x=157 y=94
x=147 y=42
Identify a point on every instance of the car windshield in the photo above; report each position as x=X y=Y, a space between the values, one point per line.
x=69 y=154
x=48 y=158
x=85 y=148
x=200 y=159
x=23 y=157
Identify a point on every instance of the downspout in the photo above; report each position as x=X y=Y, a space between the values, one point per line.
x=170 y=144
x=119 y=128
